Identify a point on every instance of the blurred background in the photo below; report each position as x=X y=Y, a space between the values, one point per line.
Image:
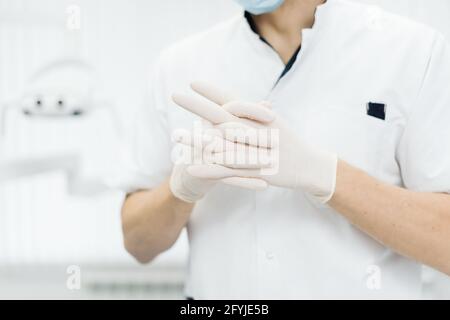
x=59 y=222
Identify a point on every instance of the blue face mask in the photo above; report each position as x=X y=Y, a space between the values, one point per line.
x=257 y=7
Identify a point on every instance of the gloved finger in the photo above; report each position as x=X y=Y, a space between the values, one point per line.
x=219 y=96
x=214 y=171
x=229 y=154
x=196 y=140
x=246 y=183
x=182 y=154
x=220 y=145
x=234 y=156
x=245 y=134
x=239 y=132
x=202 y=107
x=207 y=143
x=253 y=111
x=266 y=104
x=212 y=93
x=223 y=137
x=243 y=159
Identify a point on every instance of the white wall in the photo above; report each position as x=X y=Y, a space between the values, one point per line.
x=39 y=222
x=435 y=13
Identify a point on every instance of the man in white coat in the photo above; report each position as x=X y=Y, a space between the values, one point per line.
x=359 y=202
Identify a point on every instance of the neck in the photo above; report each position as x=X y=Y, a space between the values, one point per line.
x=282 y=28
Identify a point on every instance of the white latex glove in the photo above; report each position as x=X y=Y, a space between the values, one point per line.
x=295 y=164
x=187 y=187
x=190 y=188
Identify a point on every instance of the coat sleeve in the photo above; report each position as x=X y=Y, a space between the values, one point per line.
x=147 y=162
x=424 y=149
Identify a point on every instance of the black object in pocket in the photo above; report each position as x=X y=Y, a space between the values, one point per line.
x=377 y=110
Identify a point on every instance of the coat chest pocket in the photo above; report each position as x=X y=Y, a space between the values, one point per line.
x=355 y=136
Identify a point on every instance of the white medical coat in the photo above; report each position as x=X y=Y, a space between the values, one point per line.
x=279 y=243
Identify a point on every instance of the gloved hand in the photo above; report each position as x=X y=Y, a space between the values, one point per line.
x=187 y=187
x=190 y=188
x=294 y=163
x=208 y=150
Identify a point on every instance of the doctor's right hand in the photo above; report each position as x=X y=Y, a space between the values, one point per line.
x=186 y=187
x=200 y=149
x=295 y=164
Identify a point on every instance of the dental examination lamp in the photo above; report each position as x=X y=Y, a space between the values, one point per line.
x=60 y=90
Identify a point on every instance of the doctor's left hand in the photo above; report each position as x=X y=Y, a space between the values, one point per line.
x=294 y=163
